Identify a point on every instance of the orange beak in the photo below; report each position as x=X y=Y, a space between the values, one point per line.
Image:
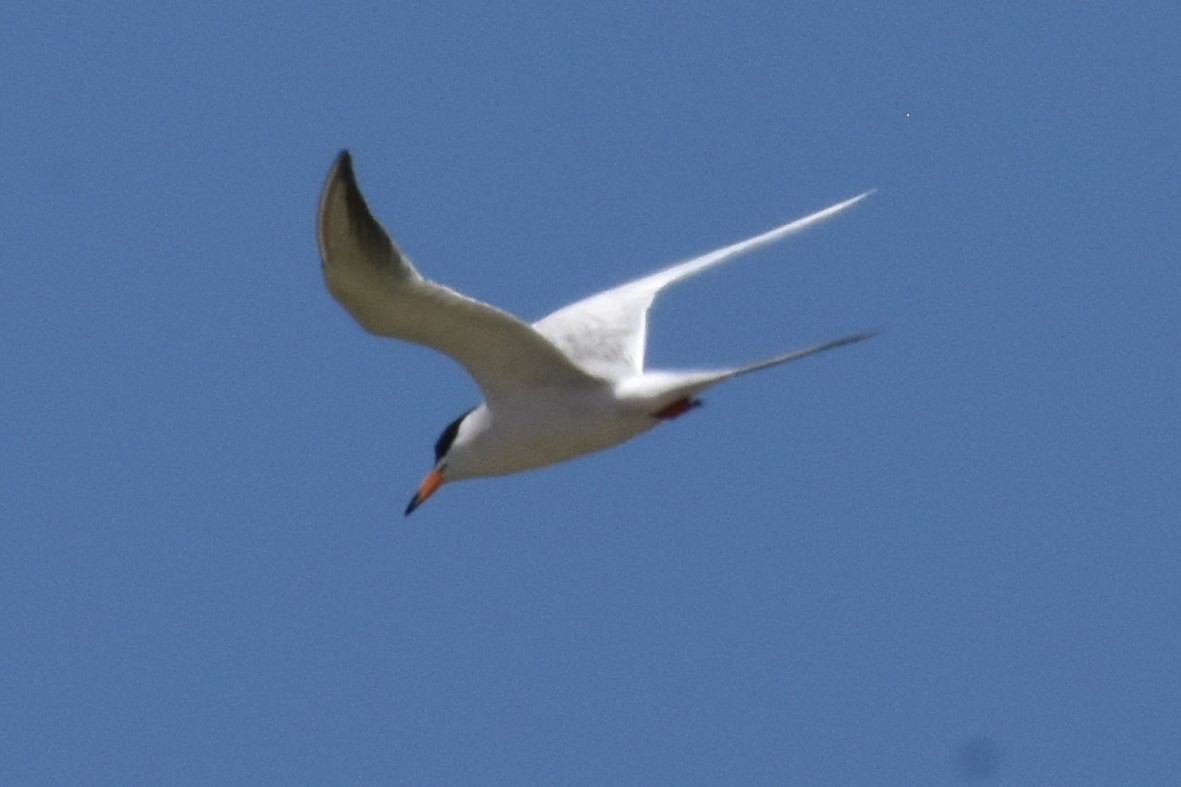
x=433 y=480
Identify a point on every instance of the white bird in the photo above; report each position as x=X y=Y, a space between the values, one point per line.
x=572 y=383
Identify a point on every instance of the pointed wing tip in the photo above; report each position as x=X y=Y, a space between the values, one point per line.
x=342 y=166
x=340 y=174
x=818 y=216
x=854 y=200
x=343 y=218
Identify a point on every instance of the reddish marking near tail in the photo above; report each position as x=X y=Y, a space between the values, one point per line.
x=676 y=409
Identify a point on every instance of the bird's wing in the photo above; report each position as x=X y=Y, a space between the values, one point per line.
x=379 y=287
x=606 y=333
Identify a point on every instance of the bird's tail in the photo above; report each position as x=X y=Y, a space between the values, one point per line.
x=795 y=355
x=675 y=386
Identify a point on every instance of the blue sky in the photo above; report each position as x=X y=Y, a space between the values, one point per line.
x=947 y=555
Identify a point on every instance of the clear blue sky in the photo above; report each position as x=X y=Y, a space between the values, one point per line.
x=947 y=555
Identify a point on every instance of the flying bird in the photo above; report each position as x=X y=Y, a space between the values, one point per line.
x=571 y=383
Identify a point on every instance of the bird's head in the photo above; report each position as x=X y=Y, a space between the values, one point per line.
x=450 y=442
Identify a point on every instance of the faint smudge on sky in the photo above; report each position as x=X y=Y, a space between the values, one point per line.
x=978 y=758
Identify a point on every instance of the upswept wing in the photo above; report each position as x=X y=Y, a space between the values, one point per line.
x=378 y=286
x=607 y=332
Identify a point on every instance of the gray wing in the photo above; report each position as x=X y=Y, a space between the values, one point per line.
x=378 y=286
x=607 y=332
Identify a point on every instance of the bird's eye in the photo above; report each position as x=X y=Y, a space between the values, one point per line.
x=443 y=444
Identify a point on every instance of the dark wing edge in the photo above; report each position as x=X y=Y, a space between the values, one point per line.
x=376 y=284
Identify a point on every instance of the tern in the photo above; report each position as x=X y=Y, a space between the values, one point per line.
x=570 y=384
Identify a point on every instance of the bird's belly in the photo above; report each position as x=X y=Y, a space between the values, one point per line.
x=544 y=433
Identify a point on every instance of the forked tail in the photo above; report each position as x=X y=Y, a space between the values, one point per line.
x=673 y=387
x=795 y=355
